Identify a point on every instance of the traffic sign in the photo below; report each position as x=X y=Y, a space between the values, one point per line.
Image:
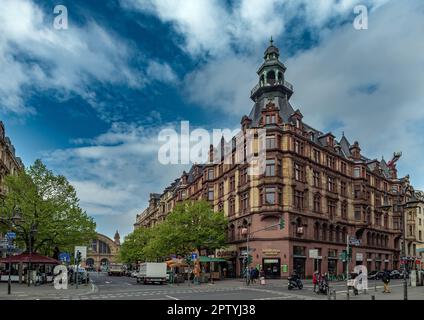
x=194 y=256
x=354 y=241
x=10 y=235
x=65 y=257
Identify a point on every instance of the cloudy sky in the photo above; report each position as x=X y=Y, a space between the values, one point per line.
x=91 y=100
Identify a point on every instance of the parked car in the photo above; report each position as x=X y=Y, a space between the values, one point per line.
x=395 y=274
x=375 y=275
x=83 y=276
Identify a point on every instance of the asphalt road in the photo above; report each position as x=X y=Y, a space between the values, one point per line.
x=125 y=288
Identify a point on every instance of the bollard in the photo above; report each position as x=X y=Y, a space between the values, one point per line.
x=373 y=297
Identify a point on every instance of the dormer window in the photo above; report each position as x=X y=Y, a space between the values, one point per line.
x=270 y=119
x=298 y=124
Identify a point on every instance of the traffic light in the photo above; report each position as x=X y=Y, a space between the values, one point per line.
x=282 y=223
x=78 y=258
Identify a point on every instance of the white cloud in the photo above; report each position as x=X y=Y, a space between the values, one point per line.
x=161 y=72
x=370 y=80
x=115 y=172
x=35 y=57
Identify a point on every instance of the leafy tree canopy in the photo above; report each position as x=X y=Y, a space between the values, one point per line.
x=48 y=205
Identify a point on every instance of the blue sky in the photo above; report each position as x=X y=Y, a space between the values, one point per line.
x=91 y=100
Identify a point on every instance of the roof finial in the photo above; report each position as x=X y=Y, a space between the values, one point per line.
x=271 y=41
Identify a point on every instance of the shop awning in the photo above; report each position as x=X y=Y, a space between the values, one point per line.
x=176 y=263
x=25 y=258
x=207 y=259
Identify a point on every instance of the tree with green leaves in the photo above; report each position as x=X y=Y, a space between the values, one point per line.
x=49 y=211
x=132 y=249
x=192 y=225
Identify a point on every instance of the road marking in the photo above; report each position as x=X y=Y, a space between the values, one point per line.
x=173 y=298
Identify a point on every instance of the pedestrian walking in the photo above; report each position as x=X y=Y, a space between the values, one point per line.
x=386 y=281
x=315 y=280
x=252 y=275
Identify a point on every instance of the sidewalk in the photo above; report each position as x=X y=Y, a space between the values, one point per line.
x=22 y=291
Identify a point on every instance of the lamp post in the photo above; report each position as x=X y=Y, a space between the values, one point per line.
x=32 y=231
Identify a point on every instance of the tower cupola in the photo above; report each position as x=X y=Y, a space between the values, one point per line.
x=271 y=75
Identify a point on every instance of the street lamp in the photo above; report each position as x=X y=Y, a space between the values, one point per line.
x=33 y=230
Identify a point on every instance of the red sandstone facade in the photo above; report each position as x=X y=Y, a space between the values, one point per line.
x=324 y=190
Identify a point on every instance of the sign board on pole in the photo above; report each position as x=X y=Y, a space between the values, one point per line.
x=83 y=250
x=10 y=235
x=313 y=253
x=65 y=257
x=354 y=242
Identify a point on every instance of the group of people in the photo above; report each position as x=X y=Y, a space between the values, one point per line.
x=320 y=282
x=255 y=274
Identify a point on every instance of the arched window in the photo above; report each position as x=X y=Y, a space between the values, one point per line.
x=262 y=80
x=280 y=77
x=344 y=235
x=317 y=202
x=338 y=234
x=316 y=231
x=331 y=233
x=324 y=232
x=103 y=248
x=89 y=262
x=232 y=232
x=270 y=77
x=344 y=209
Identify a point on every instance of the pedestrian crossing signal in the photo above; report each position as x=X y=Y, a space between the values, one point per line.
x=282 y=224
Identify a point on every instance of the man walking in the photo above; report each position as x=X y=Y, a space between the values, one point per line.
x=386 y=281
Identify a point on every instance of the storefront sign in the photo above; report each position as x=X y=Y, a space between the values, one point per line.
x=313 y=253
x=271 y=261
x=360 y=257
x=270 y=252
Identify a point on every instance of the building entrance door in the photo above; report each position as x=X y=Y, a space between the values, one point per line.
x=299 y=265
x=272 y=268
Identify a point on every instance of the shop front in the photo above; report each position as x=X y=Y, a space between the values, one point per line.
x=271 y=263
x=229 y=266
x=272 y=268
x=299 y=260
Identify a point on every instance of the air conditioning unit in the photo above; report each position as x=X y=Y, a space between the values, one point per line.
x=300 y=230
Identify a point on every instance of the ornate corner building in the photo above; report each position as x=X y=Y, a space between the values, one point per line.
x=9 y=164
x=324 y=189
